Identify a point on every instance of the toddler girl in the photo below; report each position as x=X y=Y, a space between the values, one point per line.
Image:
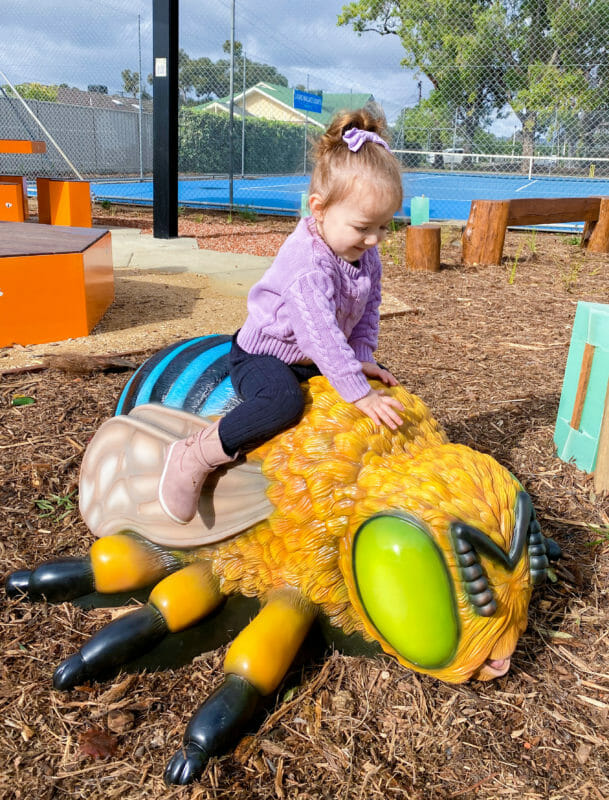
x=315 y=311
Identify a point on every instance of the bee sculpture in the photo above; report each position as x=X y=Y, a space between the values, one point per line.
x=428 y=548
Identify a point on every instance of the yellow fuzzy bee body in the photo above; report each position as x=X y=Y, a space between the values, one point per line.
x=335 y=470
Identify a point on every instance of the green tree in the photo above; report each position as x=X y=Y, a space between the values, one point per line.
x=34 y=91
x=208 y=79
x=427 y=126
x=131 y=82
x=545 y=59
x=556 y=63
x=542 y=47
x=447 y=41
x=255 y=71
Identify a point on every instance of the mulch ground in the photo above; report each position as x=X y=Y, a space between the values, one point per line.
x=486 y=349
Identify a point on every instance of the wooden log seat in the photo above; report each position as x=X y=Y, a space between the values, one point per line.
x=484 y=234
x=423 y=247
x=55 y=282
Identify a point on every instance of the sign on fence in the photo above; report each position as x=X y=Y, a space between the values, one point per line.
x=307 y=101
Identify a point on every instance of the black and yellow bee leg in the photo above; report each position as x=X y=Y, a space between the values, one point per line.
x=255 y=665
x=177 y=602
x=119 y=563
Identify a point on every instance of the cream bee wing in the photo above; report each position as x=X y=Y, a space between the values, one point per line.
x=120 y=476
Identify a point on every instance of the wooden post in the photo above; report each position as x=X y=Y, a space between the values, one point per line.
x=598 y=240
x=484 y=234
x=601 y=471
x=423 y=247
x=582 y=386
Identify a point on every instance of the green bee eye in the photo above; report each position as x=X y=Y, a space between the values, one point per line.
x=406 y=589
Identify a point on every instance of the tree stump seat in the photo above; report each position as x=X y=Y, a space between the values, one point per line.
x=423 y=247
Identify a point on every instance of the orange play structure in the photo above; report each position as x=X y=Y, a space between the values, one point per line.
x=56 y=277
x=12 y=205
x=63 y=202
x=22 y=146
x=56 y=282
x=60 y=201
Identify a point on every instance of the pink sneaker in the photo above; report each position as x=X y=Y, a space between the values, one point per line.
x=187 y=465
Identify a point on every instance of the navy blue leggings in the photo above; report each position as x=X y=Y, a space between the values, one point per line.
x=271 y=395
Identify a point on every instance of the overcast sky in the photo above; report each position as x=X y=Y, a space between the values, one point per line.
x=81 y=42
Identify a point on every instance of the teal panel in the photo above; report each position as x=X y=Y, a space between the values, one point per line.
x=598 y=325
x=590 y=326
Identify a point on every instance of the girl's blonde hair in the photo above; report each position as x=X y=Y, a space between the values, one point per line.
x=337 y=168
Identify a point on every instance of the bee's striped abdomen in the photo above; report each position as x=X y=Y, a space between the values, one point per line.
x=191 y=375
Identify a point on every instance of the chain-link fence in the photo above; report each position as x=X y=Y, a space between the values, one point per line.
x=513 y=87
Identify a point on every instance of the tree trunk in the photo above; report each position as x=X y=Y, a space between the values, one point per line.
x=529 y=124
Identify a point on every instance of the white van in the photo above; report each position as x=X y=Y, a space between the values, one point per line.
x=452 y=155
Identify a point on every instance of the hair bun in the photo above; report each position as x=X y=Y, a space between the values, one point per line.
x=368 y=118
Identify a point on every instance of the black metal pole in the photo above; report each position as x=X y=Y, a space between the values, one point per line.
x=231 y=112
x=165 y=118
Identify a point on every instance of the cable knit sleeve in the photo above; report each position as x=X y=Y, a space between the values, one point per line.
x=364 y=336
x=310 y=300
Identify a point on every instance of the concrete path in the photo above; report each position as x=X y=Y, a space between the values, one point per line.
x=230 y=273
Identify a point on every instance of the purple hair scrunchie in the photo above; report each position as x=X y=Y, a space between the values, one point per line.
x=354 y=138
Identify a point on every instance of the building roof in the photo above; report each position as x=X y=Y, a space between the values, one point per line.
x=284 y=95
x=78 y=97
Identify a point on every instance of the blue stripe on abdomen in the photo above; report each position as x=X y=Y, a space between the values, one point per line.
x=221 y=400
x=189 y=376
x=147 y=387
x=184 y=375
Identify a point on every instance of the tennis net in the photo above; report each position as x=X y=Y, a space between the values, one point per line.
x=457 y=160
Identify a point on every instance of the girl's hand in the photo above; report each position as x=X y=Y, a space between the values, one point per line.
x=381 y=408
x=372 y=370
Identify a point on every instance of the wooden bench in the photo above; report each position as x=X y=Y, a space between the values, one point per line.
x=484 y=234
x=55 y=282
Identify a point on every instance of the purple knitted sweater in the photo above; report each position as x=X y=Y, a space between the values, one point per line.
x=310 y=304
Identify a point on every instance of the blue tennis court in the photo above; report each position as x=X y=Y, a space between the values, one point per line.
x=450 y=194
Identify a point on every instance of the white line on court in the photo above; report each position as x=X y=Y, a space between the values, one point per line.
x=530 y=183
x=284 y=186
x=418 y=177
